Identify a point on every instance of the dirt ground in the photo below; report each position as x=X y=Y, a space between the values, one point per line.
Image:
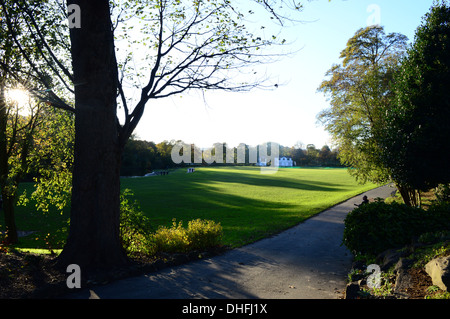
x=28 y=276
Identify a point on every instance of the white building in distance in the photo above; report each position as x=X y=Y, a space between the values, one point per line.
x=282 y=161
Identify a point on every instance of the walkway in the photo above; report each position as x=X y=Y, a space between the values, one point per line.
x=304 y=262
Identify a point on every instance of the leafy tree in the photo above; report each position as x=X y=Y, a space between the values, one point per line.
x=19 y=120
x=16 y=136
x=359 y=91
x=191 y=44
x=299 y=155
x=138 y=158
x=416 y=131
x=35 y=31
x=164 y=151
x=51 y=160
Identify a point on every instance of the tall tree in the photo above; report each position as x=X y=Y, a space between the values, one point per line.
x=192 y=45
x=359 y=91
x=416 y=131
x=19 y=113
x=95 y=208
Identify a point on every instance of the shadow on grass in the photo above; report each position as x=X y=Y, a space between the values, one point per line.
x=235 y=176
x=243 y=217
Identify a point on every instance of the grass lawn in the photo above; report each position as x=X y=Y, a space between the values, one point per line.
x=249 y=205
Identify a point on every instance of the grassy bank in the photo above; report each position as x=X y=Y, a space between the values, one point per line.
x=249 y=205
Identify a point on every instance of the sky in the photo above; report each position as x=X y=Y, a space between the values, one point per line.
x=286 y=115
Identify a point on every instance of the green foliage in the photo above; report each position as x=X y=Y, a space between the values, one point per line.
x=359 y=90
x=248 y=205
x=138 y=238
x=141 y=157
x=425 y=254
x=204 y=234
x=171 y=239
x=434 y=237
x=138 y=158
x=135 y=227
x=437 y=294
x=443 y=193
x=375 y=227
x=414 y=137
x=51 y=162
x=199 y=235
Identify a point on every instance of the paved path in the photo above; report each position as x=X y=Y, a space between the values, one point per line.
x=304 y=262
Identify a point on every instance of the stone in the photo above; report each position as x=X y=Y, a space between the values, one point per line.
x=389 y=258
x=351 y=292
x=439 y=271
x=403 y=282
x=403 y=264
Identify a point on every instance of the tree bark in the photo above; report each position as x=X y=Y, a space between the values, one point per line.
x=94 y=240
x=408 y=195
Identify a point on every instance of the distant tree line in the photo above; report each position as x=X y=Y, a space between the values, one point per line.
x=142 y=157
x=311 y=156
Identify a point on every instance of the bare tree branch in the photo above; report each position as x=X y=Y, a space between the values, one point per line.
x=48 y=94
x=42 y=38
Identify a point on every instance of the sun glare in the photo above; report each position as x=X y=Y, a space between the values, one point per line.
x=19 y=96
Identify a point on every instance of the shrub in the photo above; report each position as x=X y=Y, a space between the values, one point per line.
x=135 y=228
x=138 y=238
x=443 y=193
x=376 y=227
x=171 y=240
x=199 y=235
x=204 y=234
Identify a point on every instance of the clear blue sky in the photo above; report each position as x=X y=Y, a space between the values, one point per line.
x=286 y=115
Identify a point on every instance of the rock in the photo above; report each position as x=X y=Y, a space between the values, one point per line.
x=403 y=264
x=351 y=292
x=403 y=283
x=403 y=280
x=439 y=271
x=389 y=258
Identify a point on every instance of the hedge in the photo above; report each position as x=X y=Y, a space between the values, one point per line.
x=375 y=227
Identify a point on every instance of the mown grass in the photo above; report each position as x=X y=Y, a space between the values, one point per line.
x=249 y=205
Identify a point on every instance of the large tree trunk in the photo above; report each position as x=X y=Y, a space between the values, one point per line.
x=93 y=240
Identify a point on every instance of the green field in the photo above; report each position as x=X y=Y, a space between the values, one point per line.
x=249 y=205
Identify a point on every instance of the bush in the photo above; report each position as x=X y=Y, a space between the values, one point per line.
x=135 y=228
x=376 y=227
x=204 y=234
x=199 y=235
x=139 y=239
x=171 y=240
x=443 y=193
